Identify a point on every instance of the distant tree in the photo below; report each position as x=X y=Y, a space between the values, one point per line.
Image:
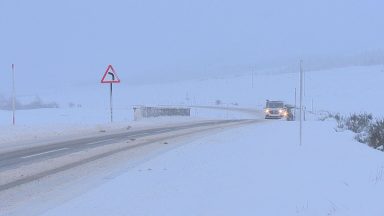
x=71 y=105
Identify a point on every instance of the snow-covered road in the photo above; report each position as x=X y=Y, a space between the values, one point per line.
x=31 y=165
x=24 y=159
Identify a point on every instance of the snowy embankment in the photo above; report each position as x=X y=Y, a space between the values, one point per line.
x=256 y=170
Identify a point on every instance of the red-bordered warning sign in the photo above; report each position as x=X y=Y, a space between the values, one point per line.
x=110 y=76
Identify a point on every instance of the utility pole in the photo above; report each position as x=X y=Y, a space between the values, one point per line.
x=304 y=84
x=301 y=102
x=13 y=96
x=295 y=104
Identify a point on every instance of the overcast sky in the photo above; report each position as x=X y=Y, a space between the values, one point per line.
x=72 y=41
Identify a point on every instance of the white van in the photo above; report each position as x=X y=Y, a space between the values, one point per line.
x=275 y=110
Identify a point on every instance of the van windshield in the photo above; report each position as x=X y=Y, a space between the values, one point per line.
x=275 y=105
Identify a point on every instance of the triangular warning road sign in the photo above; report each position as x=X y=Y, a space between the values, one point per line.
x=110 y=76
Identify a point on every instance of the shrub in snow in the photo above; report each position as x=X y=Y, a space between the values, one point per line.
x=362 y=137
x=375 y=135
x=325 y=115
x=371 y=133
x=358 y=122
x=340 y=122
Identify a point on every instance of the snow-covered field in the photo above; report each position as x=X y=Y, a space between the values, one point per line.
x=255 y=170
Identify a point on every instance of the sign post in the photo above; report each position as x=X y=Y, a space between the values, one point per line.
x=110 y=76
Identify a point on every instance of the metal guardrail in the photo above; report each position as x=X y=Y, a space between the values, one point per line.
x=141 y=112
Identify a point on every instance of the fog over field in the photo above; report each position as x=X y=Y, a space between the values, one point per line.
x=61 y=43
x=225 y=107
